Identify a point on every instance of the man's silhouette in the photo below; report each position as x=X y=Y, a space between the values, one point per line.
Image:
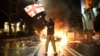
x=50 y=35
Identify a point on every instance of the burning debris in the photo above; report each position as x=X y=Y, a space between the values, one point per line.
x=61 y=14
x=64 y=18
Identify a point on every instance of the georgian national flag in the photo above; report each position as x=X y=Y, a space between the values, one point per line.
x=34 y=9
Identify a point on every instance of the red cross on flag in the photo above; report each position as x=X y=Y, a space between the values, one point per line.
x=34 y=9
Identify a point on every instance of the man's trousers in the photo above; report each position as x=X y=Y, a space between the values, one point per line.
x=50 y=38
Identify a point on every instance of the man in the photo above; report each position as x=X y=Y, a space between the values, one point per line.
x=50 y=35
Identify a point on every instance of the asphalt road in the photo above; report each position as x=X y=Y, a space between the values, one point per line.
x=27 y=48
x=62 y=49
x=18 y=48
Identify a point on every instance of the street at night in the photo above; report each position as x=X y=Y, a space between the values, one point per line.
x=50 y=28
x=13 y=47
x=26 y=48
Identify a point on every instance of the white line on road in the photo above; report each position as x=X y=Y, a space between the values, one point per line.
x=73 y=52
x=76 y=52
x=37 y=48
x=70 y=51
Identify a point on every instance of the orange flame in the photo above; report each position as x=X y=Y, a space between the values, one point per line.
x=60 y=32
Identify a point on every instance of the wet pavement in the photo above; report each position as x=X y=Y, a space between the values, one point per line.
x=85 y=48
x=89 y=48
x=18 y=48
x=28 y=48
x=62 y=49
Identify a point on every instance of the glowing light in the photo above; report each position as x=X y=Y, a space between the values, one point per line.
x=59 y=33
x=18 y=27
x=6 y=27
x=12 y=27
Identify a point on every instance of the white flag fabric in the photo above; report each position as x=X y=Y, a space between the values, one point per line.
x=34 y=9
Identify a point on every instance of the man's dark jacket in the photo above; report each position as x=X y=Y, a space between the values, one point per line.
x=50 y=27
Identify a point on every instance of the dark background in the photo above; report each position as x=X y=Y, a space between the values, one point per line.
x=5 y=8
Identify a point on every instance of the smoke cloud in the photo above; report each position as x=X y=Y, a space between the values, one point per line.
x=61 y=11
x=57 y=9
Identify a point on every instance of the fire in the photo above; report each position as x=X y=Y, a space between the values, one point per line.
x=60 y=33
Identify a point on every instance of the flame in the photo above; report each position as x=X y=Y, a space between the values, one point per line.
x=60 y=32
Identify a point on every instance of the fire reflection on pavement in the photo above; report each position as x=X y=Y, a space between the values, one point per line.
x=19 y=48
x=12 y=49
x=60 y=47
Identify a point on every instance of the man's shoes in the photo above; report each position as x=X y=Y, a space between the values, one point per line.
x=55 y=54
x=46 y=54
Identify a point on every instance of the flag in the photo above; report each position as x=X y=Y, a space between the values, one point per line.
x=34 y=9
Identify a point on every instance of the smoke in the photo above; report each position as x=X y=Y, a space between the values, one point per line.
x=57 y=9
x=63 y=11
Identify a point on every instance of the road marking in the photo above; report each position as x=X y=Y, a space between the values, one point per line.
x=36 y=50
x=73 y=54
x=76 y=52
x=85 y=45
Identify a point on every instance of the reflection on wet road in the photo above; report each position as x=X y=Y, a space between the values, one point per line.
x=24 y=48
x=62 y=49
x=17 y=48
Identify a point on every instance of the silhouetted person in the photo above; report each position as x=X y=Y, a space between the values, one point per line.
x=50 y=35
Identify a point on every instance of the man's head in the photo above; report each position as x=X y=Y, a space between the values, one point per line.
x=48 y=18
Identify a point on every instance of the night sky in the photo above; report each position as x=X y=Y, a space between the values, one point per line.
x=2 y=19
x=4 y=7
